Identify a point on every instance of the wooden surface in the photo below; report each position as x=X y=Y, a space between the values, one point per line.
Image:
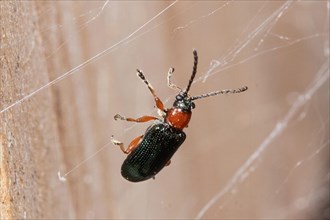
x=64 y=128
x=29 y=134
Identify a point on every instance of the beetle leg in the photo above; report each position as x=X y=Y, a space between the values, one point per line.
x=168 y=163
x=141 y=119
x=134 y=143
x=130 y=147
x=169 y=82
x=116 y=142
x=158 y=102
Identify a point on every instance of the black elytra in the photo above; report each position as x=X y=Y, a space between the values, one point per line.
x=157 y=147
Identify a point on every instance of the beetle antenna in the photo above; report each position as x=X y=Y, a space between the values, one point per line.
x=193 y=71
x=226 y=91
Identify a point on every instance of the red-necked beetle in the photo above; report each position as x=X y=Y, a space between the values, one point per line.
x=151 y=152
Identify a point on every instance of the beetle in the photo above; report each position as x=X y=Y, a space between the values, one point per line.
x=150 y=153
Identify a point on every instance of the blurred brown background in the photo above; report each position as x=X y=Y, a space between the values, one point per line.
x=260 y=154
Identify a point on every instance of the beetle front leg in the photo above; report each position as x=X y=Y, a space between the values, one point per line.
x=158 y=102
x=130 y=147
x=169 y=82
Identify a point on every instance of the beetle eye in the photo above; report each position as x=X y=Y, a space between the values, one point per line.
x=179 y=97
x=193 y=105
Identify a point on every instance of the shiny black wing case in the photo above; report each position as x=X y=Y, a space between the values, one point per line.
x=156 y=148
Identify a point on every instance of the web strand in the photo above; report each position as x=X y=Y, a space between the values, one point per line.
x=85 y=63
x=279 y=128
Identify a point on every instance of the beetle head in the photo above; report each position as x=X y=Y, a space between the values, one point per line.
x=183 y=102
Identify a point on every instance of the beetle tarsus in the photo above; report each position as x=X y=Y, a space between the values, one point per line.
x=118 y=143
x=118 y=116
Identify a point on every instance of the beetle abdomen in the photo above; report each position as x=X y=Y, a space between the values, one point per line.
x=158 y=145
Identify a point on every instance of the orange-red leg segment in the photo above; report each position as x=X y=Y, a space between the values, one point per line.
x=141 y=119
x=158 y=102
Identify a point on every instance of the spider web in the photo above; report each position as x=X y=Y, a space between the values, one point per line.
x=278 y=167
